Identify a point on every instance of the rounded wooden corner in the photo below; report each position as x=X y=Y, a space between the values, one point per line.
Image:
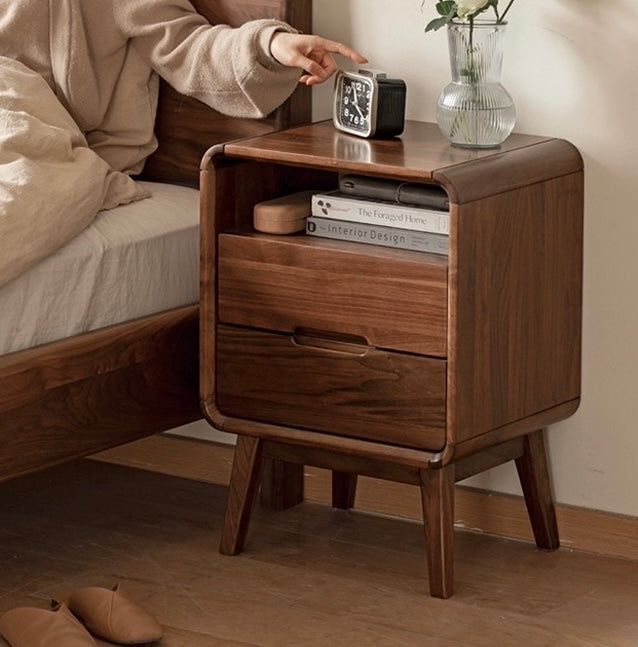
x=509 y=170
x=441 y=458
x=575 y=404
x=571 y=154
x=210 y=156
x=213 y=415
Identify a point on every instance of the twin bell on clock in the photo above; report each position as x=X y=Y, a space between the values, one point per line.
x=369 y=104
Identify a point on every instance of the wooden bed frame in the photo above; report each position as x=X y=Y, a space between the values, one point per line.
x=74 y=397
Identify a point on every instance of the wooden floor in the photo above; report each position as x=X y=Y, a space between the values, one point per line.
x=310 y=576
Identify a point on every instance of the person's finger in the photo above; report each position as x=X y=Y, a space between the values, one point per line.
x=312 y=68
x=308 y=79
x=329 y=64
x=343 y=50
x=318 y=72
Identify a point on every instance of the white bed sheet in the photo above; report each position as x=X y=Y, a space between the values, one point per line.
x=134 y=260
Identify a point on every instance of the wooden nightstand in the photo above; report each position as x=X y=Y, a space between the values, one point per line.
x=407 y=366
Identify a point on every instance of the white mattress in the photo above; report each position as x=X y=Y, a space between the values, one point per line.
x=135 y=260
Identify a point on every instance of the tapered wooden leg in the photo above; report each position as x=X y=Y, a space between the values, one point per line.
x=242 y=490
x=281 y=484
x=533 y=472
x=437 y=499
x=344 y=489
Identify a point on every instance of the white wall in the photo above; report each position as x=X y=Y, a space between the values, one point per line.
x=571 y=66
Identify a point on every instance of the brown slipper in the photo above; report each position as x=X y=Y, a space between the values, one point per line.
x=31 y=627
x=109 y=614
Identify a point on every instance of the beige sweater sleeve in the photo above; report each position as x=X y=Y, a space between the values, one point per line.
x=229 y=69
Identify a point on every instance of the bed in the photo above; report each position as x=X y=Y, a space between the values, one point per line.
x=90 y=381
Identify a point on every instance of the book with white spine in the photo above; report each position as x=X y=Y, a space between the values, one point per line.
x=419 y=241
x=336 y=205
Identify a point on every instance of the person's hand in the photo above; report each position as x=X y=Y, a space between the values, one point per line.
x=312 y=54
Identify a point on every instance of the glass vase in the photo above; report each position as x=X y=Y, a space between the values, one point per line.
x=475 y=110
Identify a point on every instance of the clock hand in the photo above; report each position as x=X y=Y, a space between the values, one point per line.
x=355 y=100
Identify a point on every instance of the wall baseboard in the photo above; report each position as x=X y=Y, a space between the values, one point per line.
x=476 y=510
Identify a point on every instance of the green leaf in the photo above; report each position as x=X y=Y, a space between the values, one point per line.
x=437 y=23
x=446 y=7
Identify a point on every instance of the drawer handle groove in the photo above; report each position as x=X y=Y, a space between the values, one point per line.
x=330 y=341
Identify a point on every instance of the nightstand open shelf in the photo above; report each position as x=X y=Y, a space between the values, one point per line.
x=398 y=364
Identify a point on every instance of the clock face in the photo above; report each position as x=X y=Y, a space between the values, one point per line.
x=354 y=109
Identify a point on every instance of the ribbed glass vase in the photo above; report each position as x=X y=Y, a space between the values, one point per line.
x=475 y=110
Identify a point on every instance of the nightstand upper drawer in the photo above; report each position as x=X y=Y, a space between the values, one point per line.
x=389 y=298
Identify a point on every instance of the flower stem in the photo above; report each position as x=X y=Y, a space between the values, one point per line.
x=472 y=31
x=495 y=7
x=511 y=2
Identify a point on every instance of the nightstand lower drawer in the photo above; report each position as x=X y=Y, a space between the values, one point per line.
x=323 y=384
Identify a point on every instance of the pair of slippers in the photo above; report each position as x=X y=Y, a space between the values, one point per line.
x=105 y=613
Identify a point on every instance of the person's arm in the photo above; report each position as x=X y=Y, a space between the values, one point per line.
x=229 y=69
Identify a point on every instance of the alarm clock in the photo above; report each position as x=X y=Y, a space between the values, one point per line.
x=369 y=104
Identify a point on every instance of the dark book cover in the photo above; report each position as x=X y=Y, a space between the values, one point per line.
x=408 y=193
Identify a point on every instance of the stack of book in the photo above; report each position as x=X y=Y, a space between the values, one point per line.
x=383 y=212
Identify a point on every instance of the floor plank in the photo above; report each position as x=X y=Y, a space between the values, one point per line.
x=310 y=576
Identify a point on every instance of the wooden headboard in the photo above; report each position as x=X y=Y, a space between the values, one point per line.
x=186 y=128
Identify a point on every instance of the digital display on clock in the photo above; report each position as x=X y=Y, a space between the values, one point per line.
x=356 y=103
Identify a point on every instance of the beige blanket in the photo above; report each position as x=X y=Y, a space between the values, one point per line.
x=51 y=183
